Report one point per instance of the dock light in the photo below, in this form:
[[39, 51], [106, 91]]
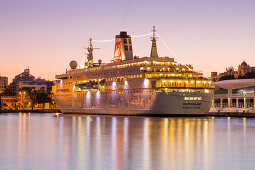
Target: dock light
[[204, 81], [198, 81], [186, 81]]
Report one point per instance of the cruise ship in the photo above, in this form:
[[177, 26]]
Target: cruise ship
[[130, 85]]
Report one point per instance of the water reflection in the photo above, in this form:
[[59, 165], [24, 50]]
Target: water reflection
[[144, 143], [33, 141]]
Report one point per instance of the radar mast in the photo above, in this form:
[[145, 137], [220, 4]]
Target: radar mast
[[90, 49]]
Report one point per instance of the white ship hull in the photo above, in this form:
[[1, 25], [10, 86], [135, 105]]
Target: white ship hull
[[144, 102]]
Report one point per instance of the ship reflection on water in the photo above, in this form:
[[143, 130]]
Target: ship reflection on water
[[34, 141]]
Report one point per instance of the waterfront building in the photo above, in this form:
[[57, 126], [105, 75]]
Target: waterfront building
[[234, 89], [3, 83], [237, 95]]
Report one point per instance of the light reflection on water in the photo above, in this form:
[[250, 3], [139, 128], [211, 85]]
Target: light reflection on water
[[41, 141]]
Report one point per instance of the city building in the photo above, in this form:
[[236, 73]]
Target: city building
[[32, 85], [25, 80], [231, 73], [3, 83]]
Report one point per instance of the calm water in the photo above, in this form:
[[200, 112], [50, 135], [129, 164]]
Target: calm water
[[42, 141]]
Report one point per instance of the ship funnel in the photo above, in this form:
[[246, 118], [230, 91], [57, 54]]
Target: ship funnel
[[123, 47]]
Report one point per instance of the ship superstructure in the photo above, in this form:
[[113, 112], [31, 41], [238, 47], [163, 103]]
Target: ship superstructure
[[133, 86]]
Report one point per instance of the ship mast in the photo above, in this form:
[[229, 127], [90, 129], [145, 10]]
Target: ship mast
[[154, 53], [90, 49]]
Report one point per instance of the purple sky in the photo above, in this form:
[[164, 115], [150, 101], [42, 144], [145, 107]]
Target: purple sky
[[46, 35]]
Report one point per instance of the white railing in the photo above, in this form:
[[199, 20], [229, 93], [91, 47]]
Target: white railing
[[234, 95]]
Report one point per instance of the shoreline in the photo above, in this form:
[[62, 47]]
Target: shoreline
[[214, 114]]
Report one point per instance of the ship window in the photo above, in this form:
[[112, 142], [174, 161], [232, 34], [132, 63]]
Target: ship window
[[129, 40], [125, 41], [126, 48], [130, 48]]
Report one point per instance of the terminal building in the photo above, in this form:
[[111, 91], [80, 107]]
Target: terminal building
[[234, 90]]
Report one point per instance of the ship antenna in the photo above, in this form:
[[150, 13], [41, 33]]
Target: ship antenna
[[154, 52], [90, 49]]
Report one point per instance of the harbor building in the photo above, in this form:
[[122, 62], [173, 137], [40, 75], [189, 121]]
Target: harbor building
[[234, 90], [3, 83]]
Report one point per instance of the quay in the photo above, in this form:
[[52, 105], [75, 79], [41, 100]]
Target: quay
[[232, 114], [31, 111]]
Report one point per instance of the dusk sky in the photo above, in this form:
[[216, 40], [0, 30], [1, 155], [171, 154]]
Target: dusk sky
[[46, 35]]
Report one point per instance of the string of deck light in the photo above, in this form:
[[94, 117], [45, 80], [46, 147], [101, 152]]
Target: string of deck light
[[134, 36], [174, 55]]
